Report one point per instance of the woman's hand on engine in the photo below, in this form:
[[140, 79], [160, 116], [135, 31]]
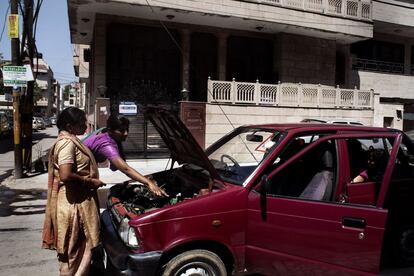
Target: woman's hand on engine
[[152, 185]]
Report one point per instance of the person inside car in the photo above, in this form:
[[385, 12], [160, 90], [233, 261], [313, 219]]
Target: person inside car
[[375, 166]]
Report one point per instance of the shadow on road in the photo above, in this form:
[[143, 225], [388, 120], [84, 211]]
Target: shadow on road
[[5, 175], [6, 143], [21, 202]]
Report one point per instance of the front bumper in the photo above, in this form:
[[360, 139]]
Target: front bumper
[[121, 260]]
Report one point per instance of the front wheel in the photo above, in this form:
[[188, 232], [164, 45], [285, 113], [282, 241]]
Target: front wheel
[[195, 263]]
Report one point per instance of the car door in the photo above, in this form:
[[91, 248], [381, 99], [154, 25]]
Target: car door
[[288, 234]]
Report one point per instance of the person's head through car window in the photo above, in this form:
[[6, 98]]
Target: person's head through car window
[[375, 167]]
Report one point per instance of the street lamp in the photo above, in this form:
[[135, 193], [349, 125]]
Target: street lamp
[[185, 94]]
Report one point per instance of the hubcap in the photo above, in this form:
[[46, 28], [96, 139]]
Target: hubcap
[[195, 269], [194, 272]]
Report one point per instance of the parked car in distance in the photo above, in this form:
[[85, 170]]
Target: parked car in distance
[[273, 199], [5, 127], [331, 121], [38, 123], [47, 121]]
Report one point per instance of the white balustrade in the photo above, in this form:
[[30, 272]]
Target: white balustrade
[[361, 9], [288, 94]]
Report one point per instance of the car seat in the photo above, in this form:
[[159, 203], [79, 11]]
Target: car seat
[[320, 186]]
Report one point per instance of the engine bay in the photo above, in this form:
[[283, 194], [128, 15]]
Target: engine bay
[[180, 184]]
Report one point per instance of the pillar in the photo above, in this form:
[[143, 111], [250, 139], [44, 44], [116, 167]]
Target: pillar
[[186, 48], [222, 55]]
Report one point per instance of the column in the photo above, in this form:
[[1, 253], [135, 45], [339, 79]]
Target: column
[[98, 65], [186, 48], [407, 59], [222, 55]]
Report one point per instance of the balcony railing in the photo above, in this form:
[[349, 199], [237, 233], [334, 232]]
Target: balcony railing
[[288, 94], [378, 66], [356, 9]]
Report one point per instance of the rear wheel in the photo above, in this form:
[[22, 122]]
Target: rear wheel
[[195, 263], [404, 246]]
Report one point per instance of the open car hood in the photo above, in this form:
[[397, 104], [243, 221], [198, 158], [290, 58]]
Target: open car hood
[[181, 143]]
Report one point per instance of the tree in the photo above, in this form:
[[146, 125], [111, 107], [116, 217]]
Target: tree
[[37, 93], [66, 92]]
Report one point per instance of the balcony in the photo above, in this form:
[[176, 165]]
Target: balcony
[[288, 95], [355, 9], [378, 66]]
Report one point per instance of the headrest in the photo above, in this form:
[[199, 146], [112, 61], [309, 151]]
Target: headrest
[[327, 160]]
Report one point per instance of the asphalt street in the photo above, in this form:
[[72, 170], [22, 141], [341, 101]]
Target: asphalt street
[[22, 212], [22, 205]]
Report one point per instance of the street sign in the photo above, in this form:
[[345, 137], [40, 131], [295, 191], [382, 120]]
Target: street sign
[[17, 75], [13, 25], [128, 108]]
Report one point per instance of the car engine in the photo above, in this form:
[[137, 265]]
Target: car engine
[[180, 184]]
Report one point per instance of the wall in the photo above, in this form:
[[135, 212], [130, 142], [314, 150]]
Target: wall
[[305, 59], [382, 110], [387, 85], [396, 12]]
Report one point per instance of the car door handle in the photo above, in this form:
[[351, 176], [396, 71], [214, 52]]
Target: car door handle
[[354, 222]]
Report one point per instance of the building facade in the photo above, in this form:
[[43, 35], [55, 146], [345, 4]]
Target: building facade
[[160, 52], [45, 99]]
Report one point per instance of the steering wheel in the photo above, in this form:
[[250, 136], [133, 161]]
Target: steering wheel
[[231, 159]]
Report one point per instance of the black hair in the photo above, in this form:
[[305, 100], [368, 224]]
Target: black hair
[[118, 123], [70, 116]]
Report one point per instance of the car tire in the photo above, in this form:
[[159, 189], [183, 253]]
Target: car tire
[[195, 262], [404, 246]]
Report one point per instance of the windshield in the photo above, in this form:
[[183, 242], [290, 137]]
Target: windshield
[[241, 153]]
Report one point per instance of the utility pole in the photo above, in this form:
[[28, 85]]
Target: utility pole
[[15, 55], [27, 105]]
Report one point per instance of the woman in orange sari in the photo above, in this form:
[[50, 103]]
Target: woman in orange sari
[[71, 224]]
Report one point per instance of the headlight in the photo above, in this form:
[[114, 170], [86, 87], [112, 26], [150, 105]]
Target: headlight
[[128, 234]]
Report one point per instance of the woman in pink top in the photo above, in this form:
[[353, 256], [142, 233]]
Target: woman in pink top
[[107, 145]]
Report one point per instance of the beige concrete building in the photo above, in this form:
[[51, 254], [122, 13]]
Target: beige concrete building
[[46, 103], [256, 60]]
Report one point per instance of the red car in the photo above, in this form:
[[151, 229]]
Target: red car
[[268, 199]]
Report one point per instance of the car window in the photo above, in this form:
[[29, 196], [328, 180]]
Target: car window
[[239, 156], [368, 159], [312, 176], [296, 144], [404, 163]]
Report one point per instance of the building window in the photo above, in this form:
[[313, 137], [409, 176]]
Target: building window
[[379, 56]]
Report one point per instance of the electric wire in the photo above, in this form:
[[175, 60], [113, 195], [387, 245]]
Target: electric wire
[[4, 23]]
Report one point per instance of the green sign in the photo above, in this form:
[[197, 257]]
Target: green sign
[[17, 75]]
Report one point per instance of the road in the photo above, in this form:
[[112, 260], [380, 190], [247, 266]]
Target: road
[[42, 140], [22, 214]]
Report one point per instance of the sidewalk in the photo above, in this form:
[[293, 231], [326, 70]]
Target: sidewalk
[[22, 207]]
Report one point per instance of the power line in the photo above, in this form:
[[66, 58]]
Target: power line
[[4, 23]]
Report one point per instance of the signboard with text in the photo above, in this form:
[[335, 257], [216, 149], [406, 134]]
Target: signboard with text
[[13, 29], [17, 75]]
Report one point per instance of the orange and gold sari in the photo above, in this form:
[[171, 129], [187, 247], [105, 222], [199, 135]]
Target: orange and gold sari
[[71, 224]]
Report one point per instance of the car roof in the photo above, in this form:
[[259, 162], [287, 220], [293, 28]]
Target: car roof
[[322, 127]]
